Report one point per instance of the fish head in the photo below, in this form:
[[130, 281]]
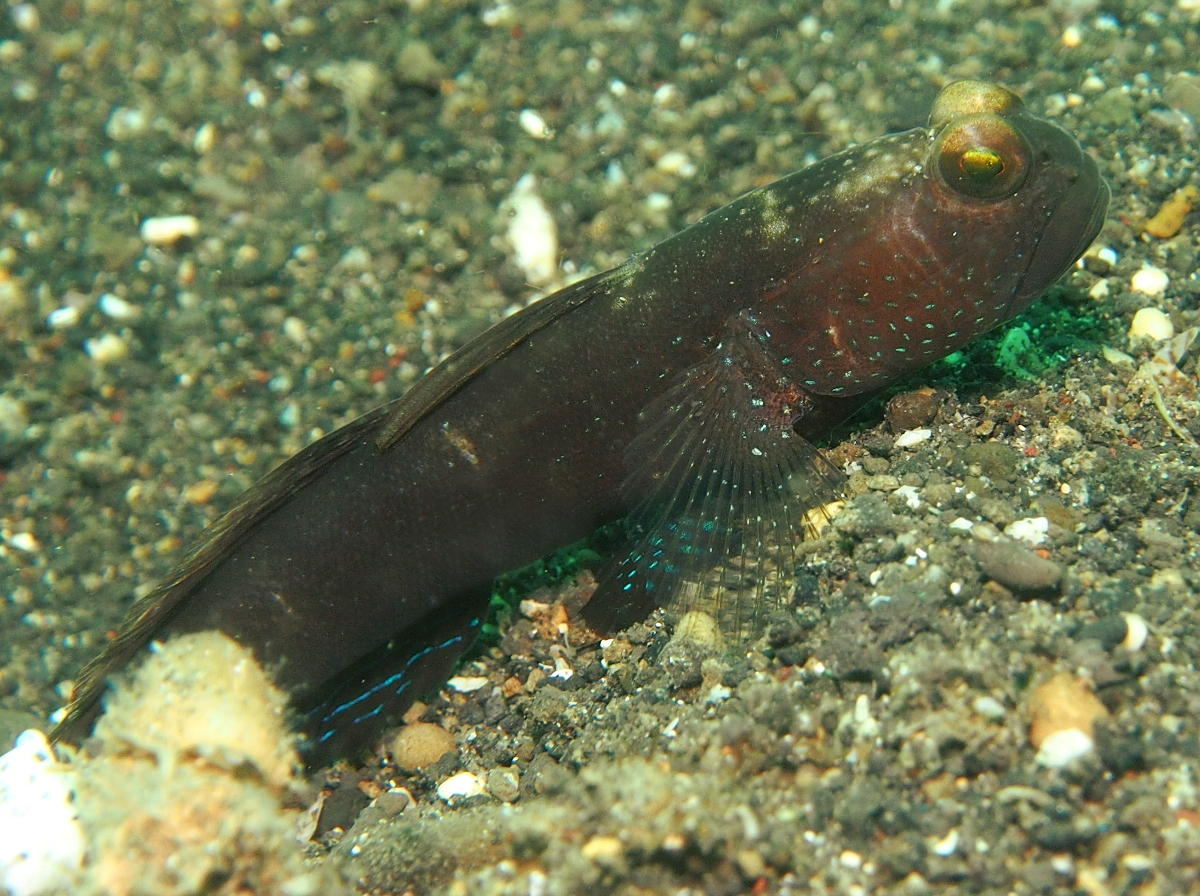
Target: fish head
[[1007, 174], [914, 244]]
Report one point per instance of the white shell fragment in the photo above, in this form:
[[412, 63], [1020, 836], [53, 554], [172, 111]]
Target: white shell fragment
[[466, 684], [106, 348], [117, 308], [1032, 530], [460, 787], [1150, 281], [911, 437], [169, 229], [41, 842], [1061, 747], [1150, 323], [532, 233], [534, 125], [1136, 632]]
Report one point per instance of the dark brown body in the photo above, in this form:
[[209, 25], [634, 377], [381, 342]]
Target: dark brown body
[[363, 557]]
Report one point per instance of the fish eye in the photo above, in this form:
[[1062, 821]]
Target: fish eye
[[982, 156]]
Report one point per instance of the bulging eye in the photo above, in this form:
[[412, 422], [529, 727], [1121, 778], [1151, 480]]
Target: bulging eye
[[982, 156]]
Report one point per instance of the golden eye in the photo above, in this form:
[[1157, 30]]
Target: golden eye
[[982, 156]]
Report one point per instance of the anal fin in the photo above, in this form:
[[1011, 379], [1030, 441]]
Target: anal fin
[[381, 687], [721, 487]]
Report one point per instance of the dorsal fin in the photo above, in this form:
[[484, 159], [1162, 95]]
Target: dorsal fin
[[451, 374]]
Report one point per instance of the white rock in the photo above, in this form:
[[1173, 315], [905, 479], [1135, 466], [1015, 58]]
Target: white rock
[[460, 786], [1032, 530], [125, 123], [117, 308], [1150, 323], [990, 708], [1136, 632], [948, 845], [675, 162], [1063, 746], [106, 348], [168, 229], [534, 125], [466, 684], [532, 233], [911, 437], [59, 318], [41, 842], [1150, 281]]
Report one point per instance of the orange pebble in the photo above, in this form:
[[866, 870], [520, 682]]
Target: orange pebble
[[1062, 703], [1168, 221]]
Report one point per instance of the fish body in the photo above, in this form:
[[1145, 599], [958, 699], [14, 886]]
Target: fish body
[[681, 389]]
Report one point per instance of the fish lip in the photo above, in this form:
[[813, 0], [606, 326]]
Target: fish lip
[[1047, 262]]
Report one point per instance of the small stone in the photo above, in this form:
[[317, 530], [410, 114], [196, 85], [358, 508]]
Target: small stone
[[608, 852], [169, 229], [1063, 436], [421, 744], [990, 708], [200, 492], [106, 349], [1150, 324], [911, 437], [1150, 281], [117, 308], [1063, 703], [504, 784], [1136, 632], [460, 787], [1032, 531], [1063, 747], [534, 125], [1018, 569], [1168, 220], [467, 684], [912, 410], [532, 233]]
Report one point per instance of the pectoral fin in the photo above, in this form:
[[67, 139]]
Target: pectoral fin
[[720, 487]]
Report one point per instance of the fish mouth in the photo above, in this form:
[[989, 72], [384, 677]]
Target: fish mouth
[[1075, 223]]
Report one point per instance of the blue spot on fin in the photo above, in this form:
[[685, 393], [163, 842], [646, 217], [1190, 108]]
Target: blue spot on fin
[[720, 486], [376, 691]]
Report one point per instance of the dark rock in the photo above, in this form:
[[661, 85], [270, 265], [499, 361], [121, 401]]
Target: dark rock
[[1019, 569]]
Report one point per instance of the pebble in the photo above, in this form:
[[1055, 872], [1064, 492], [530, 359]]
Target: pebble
[[117, 308], [41, 842], [504, 784], [1150, 323], [61, 318], [911, 437], [106, 348], [1017, 568], [1063, 712], [1150, 281], [125, 123], [169, 229], [532, 233], [1136, 632], [1168, 220], [534, 125], [1032, 530], [1063, 747], [460, 787], [421, 744], [604, 851], [990, 708], [912, 410], [467, 684], [676, 162]]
